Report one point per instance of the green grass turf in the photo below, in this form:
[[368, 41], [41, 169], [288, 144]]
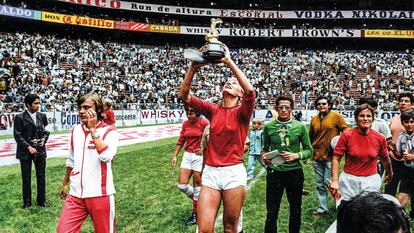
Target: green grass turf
[[147, 199]]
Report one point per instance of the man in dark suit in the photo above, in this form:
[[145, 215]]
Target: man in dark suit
[[31, 136]]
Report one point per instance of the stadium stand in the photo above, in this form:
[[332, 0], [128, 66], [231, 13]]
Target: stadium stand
[[61, 68]]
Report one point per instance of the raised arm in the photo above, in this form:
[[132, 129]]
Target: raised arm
[[184, 92], [241, 77]]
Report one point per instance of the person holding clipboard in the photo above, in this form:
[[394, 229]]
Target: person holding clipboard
[[284, 136]]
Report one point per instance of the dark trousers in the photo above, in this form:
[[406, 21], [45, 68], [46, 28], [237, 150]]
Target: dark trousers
[[276, 183], [26, 168], [408, 181], [399, 171]]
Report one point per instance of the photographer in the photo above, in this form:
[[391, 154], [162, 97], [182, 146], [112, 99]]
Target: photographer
[[31, 136]]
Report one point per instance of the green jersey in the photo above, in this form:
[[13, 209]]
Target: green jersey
[[287, 136]]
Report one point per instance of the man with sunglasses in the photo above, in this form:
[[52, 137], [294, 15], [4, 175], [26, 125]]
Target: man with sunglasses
[[323, 127], [287, 136]]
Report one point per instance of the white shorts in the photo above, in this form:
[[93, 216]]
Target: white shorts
[[222, 178], [192, 161], [350, 185]]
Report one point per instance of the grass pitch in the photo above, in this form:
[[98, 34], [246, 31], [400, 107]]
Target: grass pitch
[[147, 199]]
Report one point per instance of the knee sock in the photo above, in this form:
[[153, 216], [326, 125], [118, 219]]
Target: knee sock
[[240, 223], [186, 189], [195, 198]]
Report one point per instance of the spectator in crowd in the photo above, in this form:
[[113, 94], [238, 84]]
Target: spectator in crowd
[[255, 147], [378, 125], [406, 101], [229, 125], [298, 115], [109, 118], [86, 165], [372, 212], [323, 127], [361, 147], [287, 136], [191, 165], [31, 136]]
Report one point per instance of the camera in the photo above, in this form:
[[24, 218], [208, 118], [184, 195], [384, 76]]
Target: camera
[[36, 142]]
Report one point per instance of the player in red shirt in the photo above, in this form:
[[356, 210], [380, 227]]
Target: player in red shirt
[[361, 146], [109, 116], [190, 137], [224, 176]]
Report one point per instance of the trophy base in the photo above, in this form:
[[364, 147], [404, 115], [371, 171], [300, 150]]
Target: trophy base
[[213, 52], [194, 56], [210, 53]]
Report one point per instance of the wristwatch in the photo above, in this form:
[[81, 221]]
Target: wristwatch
[[95, 137]]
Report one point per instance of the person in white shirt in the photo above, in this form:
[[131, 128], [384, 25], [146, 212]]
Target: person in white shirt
[[93, 144], [31, 136]]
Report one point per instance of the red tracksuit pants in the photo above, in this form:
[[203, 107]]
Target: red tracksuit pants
[[76, 210]]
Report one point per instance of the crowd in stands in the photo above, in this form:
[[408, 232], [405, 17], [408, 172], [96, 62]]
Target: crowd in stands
[[135, 76], [185, 20]]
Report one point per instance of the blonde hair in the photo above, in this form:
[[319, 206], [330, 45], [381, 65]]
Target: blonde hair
[[258, 121]]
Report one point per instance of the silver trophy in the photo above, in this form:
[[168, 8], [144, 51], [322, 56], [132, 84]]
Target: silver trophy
[[212, 51]]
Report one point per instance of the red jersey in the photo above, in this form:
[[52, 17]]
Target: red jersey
[[109, 118], [228, 130], [191, 133], [361, 151]]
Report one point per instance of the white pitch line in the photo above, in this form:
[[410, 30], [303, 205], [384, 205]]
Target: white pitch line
[[219, 219]]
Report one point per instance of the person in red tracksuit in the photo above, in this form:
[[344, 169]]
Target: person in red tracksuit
[[93, 144], [109, 118]]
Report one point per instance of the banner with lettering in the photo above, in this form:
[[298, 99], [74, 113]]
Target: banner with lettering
[[307, 115], [190, 30], [58, 121], [251, 32], [52, 17], [20, 12], [250, 13], [77, 20], [159, 28], [401, 34]]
